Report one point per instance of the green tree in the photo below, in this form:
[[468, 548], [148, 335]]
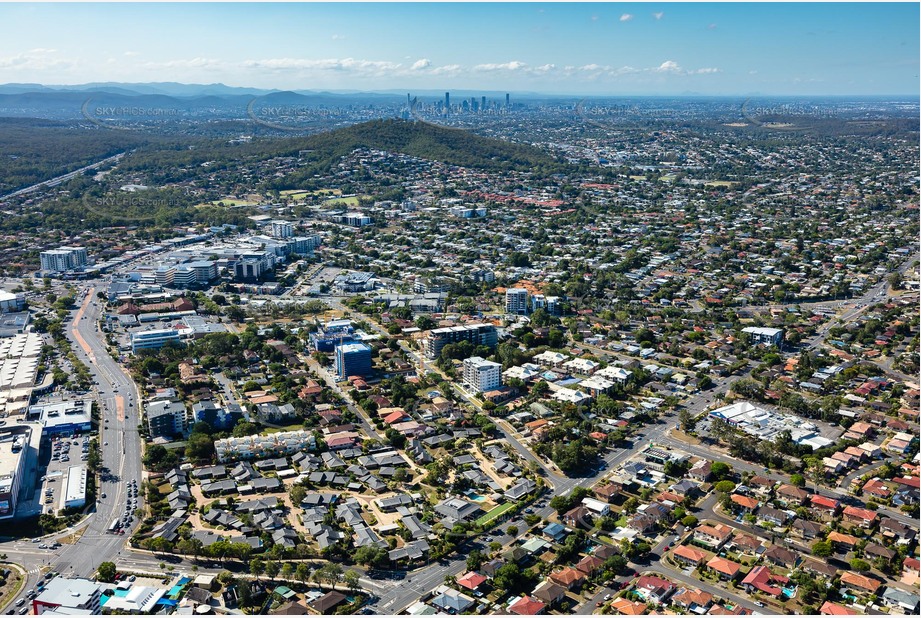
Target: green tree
[[687, 420], [822, 549], [725, 487], [859, 565], [106, 571], [351, 580]]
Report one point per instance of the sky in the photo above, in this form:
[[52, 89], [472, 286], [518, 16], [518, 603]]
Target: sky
[[553, 48]]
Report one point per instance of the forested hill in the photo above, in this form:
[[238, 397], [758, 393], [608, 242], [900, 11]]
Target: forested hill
[[418, 139], [429, 141], [34, 150]]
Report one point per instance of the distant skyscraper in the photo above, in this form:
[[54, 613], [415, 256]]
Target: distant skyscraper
[[483, 104], [447, 102], [506, 101]]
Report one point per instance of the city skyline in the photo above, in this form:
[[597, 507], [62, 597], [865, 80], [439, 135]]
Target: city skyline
[[571, 49]]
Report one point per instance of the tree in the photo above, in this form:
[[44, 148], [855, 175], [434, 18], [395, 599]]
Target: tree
[[106, 571], [287, 570], [508, 577], [859, 565], [687, 420], [272, 569], [725, 487], [689, 521], [351, 578], [301, 572], [297, 494], [256, 567], [370, 555], [822, 549], [474, 560], [719, 470], [798, 480], [513, 530]]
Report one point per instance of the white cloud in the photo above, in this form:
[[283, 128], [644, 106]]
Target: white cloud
[[545, 68], [658, 15], [338, 37], [422, 63], [35, 60], [185, 63], [669, 66], [364, 67], [514, 65], [448, 69], [131, 53], [42, 50], [704, 71], [626, 17], [711, 27]]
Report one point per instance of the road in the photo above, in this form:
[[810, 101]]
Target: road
[[120, 449], [63, 178]]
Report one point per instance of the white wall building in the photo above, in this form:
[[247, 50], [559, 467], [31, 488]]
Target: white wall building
[[516, 301], [481, 375]]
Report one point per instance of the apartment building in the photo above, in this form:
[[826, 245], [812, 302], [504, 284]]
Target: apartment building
[[481, 375]]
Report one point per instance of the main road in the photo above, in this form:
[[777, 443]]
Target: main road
[[120, 451]]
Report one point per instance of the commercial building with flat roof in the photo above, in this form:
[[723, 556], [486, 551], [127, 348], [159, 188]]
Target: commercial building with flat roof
[[14, 443], [74, 495], [10, 302], [768, 336], [19, 356], [69, 596], [353, 359], [154, 339], [64, 418]]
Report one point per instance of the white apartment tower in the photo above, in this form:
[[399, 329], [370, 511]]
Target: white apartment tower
[[481, 375], [516, 301]]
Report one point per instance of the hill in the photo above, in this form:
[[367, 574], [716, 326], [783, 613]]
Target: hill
[[417, 139]]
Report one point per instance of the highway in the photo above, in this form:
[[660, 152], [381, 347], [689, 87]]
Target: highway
[[63, 178]]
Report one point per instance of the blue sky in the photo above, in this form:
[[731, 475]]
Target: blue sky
[[634, 48]]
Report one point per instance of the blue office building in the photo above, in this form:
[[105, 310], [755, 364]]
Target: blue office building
[[353, 359]]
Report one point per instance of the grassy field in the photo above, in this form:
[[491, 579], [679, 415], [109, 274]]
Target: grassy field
[[720, 183], [494, 513], [231, 202], [342, 201], [637, 178], [300, 193]]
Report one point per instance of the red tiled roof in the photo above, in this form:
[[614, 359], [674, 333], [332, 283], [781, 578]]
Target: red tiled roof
[[471, 580], [726, 567], [527, 606], [822, 501], [833, 609]]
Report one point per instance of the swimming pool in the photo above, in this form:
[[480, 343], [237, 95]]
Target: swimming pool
[[789, 593], [476, 497], [175, 590]]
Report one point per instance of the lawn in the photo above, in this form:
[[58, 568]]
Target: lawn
[[720, 183], [342, 201], [494, 513], [301, 193], [230, 203]]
